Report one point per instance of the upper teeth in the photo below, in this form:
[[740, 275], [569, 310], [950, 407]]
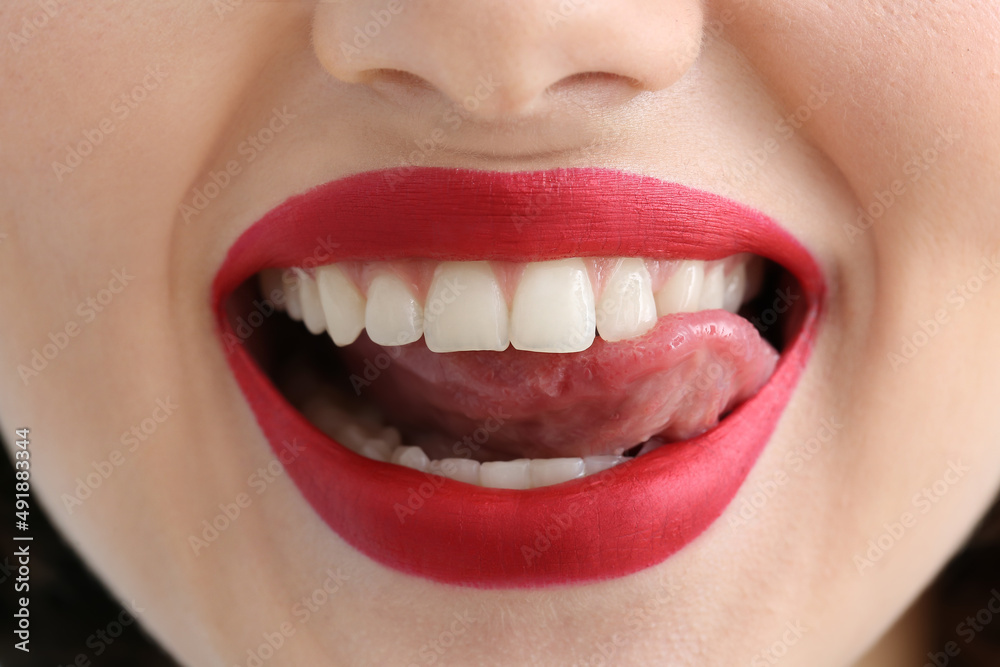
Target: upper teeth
[[549, 306]]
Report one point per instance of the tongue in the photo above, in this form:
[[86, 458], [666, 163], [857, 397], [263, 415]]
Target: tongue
[[671, 384]]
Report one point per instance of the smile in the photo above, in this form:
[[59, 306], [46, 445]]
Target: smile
[[517, 379]]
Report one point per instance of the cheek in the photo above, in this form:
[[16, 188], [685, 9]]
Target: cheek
[[905, 83]]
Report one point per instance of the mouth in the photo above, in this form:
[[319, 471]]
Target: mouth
[[516, 379]]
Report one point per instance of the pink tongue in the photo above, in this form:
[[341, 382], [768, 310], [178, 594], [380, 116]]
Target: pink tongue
[[674, 382]]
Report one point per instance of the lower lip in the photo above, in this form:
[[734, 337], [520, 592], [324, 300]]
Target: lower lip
[[608, 525]]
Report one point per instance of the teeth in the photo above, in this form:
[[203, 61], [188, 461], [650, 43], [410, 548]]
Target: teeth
[[383, 443], [553, 308], [343, 305], [546, 472], [391, 437], [460, 470], [393, 316], [595, 464], [411, 457], [312, 310], [381, 448], [539, 306], [682, 291], [374, 451], [293, 303], [465, 309], [627, 308], [506, 474], [736, 288], [713, 290]]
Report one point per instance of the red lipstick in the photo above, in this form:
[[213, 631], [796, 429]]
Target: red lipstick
[[626, 519]]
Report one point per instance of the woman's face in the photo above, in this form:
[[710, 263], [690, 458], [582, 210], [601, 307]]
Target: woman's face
[[868, 130]]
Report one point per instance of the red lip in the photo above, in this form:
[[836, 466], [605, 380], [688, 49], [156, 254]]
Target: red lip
[[615, 523]]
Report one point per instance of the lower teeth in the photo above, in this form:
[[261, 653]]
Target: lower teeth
[[372, 440]]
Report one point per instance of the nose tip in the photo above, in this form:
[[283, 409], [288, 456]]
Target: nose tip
[[505, 58]]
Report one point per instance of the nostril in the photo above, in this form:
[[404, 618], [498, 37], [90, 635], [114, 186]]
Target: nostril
[[593, 54], [396, 77], [596, 79], [597, 87]]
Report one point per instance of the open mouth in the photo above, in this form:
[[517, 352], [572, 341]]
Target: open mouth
[[516, 379]]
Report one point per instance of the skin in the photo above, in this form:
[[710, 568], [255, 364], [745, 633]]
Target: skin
[[899, 76]]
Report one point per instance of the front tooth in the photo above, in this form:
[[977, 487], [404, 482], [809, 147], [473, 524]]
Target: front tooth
[[411, 457], [343, 305], [293, 302], [546, 472], [736, 287], [682, 291], [506, 474], [465, 309], [312, 310], [392, 316], [553, 308], [595, 464], [627, 308], [460, 470], [713, 291]]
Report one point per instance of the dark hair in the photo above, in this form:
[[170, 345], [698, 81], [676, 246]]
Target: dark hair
[[967, 594], [68, 607]]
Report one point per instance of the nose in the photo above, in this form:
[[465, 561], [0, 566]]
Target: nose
[[503, 58]]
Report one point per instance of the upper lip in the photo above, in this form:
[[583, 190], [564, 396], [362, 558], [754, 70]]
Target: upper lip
[[472, 535], [454, 214]]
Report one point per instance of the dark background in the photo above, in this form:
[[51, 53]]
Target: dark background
[[67, 604]]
